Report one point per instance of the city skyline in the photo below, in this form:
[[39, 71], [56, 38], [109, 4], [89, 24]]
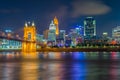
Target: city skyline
[[15, 13]]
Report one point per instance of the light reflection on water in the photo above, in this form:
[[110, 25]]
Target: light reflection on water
[[60, 66]]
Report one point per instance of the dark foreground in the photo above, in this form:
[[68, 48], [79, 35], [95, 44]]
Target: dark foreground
[[60, 66]]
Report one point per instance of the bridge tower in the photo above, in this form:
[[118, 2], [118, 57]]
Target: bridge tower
[[29, 39]]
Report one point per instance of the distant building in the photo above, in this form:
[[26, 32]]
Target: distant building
[[10, 44], [104, 38], [116, 34], [61, 38], [62, 35], [89, 27], [79, 30], [39, 38], [56, 22], [104, 34], [68, 41], [52, 32], [7, 32], [45, 33]]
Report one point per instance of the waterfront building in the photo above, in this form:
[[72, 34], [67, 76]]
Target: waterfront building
[[89, 27], [52, 33], [68, 41], [104, 34], [80, 33], [74, 35], [90, 31], [56, 25], [116, 34], [10, 44], [61, 38], [7, 31], [45, 33], [104, 38], [39, 38], [62, 35], [79, 30]]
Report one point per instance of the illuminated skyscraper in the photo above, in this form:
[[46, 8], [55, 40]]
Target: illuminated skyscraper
[[56, 24], [61, 37], [89, 27], [45, 33], [116, 33], [52, 32]]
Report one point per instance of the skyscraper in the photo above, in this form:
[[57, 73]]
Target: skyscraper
[[89, 27], [56, 24], [45, 33], [116, 33], [62, 35], [52, 32]]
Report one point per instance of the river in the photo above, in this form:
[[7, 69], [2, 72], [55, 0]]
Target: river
[[60, 66]]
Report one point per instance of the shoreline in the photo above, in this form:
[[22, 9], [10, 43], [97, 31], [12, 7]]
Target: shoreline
[[79, 50], [69, 50]]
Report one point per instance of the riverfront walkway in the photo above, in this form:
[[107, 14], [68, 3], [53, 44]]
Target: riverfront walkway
[[79, 49], [71, 49]]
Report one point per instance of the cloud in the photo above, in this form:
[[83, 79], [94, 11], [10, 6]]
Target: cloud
[[89, 7]]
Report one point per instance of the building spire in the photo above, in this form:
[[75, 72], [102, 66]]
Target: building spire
[[26, 25], [56, 24], [33, 24]]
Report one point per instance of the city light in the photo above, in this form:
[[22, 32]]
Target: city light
[[78, 37]]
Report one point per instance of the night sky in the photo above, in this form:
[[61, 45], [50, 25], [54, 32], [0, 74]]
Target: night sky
[[14, 13]]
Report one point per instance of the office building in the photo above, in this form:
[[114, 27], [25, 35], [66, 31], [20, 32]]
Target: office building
[[89, 27], [116, 34], [52, 32]]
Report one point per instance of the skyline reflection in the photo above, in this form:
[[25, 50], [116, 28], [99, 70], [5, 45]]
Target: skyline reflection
[[59, 66]]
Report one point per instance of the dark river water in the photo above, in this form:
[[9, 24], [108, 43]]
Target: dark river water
[[60, 66]]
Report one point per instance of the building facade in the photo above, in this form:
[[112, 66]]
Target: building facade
[[116, 34], [89, 27], [52, 32], [56, 24]]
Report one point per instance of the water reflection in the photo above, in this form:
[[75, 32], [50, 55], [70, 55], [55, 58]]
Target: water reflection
[[29, 71], [30, 55], [78, 55], [114, 55], [8, 71], [53, 55], [75, 71], [59, 66], [9, 55]]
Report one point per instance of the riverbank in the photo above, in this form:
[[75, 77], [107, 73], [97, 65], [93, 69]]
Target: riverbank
[[68, 50], [79, 50]]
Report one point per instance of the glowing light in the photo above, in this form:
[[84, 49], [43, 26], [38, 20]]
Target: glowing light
[[33, 24], [29, 71], [29, 43], [56, 24], [26, 24]]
